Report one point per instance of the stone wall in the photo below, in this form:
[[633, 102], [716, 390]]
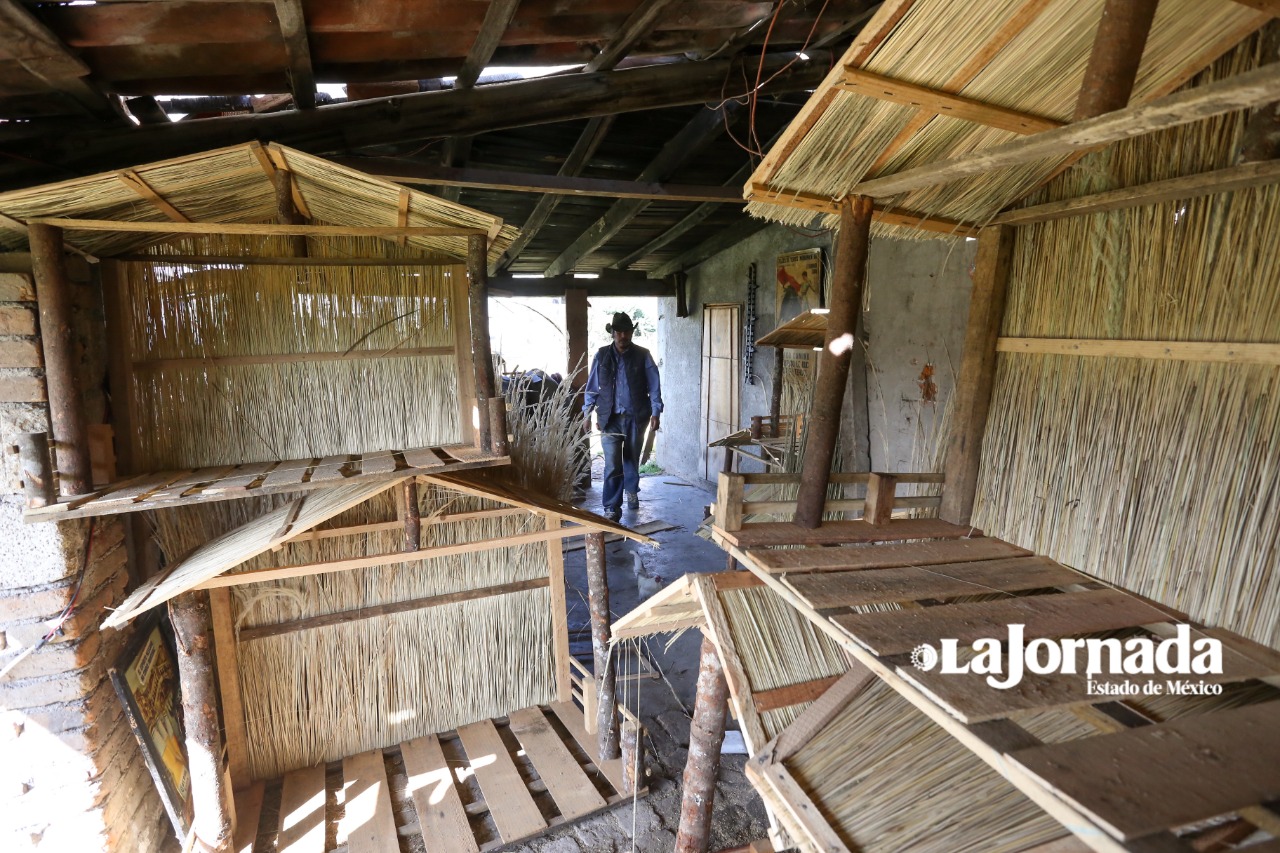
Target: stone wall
[[73, 776]]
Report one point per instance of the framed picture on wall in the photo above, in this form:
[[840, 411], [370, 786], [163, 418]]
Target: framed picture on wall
[[799, 283]]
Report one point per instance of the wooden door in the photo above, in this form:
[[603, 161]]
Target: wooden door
[[721, 353]]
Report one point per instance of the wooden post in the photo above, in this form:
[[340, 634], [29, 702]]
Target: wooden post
[[289, 214], [412, 516], [731, 562], [706, 733], [977, 373], [775, 397], [498, 425], [598, 599], [852, 243], [193, 629], [880, 492], [36, 468], [482, 359], [632, 757], [66, 408], [729, 495], [1117, 52], [575, 324]]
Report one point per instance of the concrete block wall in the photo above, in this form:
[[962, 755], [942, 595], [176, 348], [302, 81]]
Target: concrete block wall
[[72, 776], [901, 374]]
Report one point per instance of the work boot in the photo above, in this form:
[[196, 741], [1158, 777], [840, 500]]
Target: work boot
[[613, 513], [633, 500]]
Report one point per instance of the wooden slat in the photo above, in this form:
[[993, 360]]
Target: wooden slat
[[843, 532], [793, 694], [422, 457], [330, 468], [510, 804], [195, 478], [717, 630], [368, 819], [243, 477], [227, 658], [1201, 351], [262, 229], [135, 182], [288, 473], [559, 613], [135, 488], [912, 583], [900, 631], [570, 716], [886, 556], [441, 815], [1167, 775], [302, 811], [573, 792], [823, 710], [220, 361], [942, 103], [807, 818], [378, 462], [248, 815]]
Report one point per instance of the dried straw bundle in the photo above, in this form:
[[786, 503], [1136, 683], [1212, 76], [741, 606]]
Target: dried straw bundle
[[547, 441], [1038, 72], [208, 413]]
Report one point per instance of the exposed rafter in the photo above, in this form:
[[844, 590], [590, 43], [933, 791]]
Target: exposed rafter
[[1117, 52], [636, 27], [134, 181], [293, 29], [496, 20], [726, 239], [692, 138]]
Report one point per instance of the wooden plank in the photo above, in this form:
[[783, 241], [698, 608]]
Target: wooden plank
[[267, 229], [135, 182], [345, 616], [573, 792], [320, 568], [228, 666], [441, 815], [559, 613], [771, 533], [1243, 176], [913, 583], [288, 358], [422, 457], [1157, 777], [248, 802], [817, 832], [823, 710], [242, 477], [942, 103], [977, 372], [302, 811], [510, 805], [330, 468], [369, 822], [793, 694], [842, 477], [886, 556], [378, 462], [293, 31], [1068, 614], [1243, 91], [288, 473], [878, 507], [1229, 353], [735, 673], [646, 528], [195, 478], [137, 487], [571, 718]]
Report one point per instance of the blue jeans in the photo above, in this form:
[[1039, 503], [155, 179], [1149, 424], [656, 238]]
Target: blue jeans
[[620, 439]]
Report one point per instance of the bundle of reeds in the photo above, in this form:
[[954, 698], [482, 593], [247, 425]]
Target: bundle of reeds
[[222, 374], [548, 452], [322, 693], [1156, 475], [1038, 71]]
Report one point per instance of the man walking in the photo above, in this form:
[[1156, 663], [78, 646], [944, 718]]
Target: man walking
[[624, 389]]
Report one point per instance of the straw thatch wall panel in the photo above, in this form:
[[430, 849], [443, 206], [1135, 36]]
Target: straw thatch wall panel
[[324, 693], [206, 413], [1160, 476], [1038, 72]]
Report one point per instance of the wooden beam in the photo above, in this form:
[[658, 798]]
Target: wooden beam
[[261, 229], [636, 27], [496, 20], [134, 181], [39, 53], [481, 357], [711, 246], [1223, 353], [793, 694], [882, 214], [293, 30], [977, 373], [1117, 53], [61, 360], [402, 214], [227, 657], [581, 153], [287, 358], [411, 172], [1243, 91], [416, 117], [1174, 189], [942, 103], [686, 144], [847, 283], [281, 261], [1270, 7]]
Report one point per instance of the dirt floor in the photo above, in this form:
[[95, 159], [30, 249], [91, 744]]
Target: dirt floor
[[664, 703]]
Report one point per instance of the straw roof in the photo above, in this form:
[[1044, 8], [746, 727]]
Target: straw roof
[[1025, 56], [806, 331], [236, 185]]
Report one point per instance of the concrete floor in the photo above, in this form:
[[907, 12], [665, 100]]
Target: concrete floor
[[663, 705]]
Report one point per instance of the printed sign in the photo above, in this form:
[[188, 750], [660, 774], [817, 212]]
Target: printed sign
[[799, 283]]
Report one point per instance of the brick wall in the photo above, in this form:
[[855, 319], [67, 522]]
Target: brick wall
[[72, 775]]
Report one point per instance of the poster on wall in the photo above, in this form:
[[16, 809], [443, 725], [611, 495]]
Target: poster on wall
[[146, 680], [799, 283]]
